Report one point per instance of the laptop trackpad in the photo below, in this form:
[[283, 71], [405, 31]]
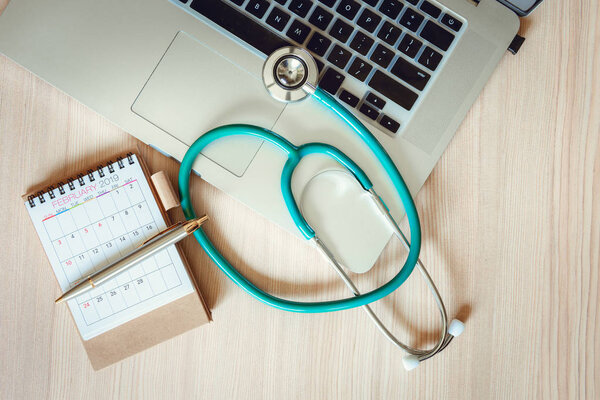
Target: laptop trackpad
[[195, 88]]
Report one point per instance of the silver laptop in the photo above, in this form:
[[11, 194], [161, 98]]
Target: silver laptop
[[167, 71]]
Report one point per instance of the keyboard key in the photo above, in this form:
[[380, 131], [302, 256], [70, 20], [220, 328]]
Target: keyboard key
[[411, 19], [430, 9], [341, 30], [437, 35], [258, 8], [413, 2], [382, 55], [298, 31], [393, 90], [349, 98], [238, 2], [359, 69], [391, 8], [410, 74], [318, 44], [331, 81], [389, 33], [368, 20], [375, 100], [372, 3], [328, 3], [320, 65], [278, 19], [348, 8], [282, 2], [430, 58], [320, 18], [300, 7], [409, 45], [339, 56], [240, 25], [361, 43], [451, 22], [389, 124], [369, 111]]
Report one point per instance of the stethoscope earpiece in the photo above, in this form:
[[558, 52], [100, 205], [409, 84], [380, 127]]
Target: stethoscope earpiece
[[410, 362], [456, 328]]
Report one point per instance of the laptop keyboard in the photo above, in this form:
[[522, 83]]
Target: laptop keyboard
[[377, 56]]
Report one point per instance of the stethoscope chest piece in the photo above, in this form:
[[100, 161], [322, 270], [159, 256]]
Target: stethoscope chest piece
[[290, 74]]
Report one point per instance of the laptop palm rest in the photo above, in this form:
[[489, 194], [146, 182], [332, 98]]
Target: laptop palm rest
[[194, 88]]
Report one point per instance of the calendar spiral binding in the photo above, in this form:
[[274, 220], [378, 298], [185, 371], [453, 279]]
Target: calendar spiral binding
[[80, 179]]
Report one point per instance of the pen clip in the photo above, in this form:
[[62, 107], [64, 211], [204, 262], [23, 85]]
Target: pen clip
[[161, 232]]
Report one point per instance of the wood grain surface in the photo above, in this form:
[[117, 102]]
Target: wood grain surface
[[511, 220]]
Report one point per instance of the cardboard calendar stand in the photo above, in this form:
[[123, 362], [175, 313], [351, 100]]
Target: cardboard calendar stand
[[154, 327]]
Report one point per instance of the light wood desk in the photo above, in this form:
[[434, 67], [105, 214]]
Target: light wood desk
[[511, 219]]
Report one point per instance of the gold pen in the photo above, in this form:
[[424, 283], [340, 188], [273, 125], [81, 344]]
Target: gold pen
[[147, 249]]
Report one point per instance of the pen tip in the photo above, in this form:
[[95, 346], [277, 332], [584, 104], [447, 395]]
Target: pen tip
[[59, 300], [196, 223]]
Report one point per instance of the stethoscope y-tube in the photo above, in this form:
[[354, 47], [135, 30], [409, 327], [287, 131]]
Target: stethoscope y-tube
[[290, 74]]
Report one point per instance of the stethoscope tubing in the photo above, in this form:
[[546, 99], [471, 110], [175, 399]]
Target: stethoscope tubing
[[294, 154]]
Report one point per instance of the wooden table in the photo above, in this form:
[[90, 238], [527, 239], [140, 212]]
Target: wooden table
[[511, 219]]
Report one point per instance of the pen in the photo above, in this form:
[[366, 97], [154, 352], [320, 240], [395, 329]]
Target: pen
[[149, 248]]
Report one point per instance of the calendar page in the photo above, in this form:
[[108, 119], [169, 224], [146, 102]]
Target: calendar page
[[94, 220]]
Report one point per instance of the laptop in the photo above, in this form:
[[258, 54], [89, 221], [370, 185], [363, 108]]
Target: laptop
[[167, 71]]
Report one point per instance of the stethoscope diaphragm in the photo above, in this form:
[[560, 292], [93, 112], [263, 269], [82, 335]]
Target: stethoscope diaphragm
[[290, 74]]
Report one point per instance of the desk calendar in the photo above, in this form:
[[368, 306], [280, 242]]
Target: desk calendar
[[91, 221]]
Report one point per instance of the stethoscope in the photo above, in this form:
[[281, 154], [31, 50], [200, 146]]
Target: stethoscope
[[290, 74]]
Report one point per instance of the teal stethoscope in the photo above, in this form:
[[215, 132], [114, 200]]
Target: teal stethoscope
[[290, 74]]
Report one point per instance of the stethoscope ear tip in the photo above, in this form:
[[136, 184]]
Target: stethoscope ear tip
[[456, 327], [410, 362]]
